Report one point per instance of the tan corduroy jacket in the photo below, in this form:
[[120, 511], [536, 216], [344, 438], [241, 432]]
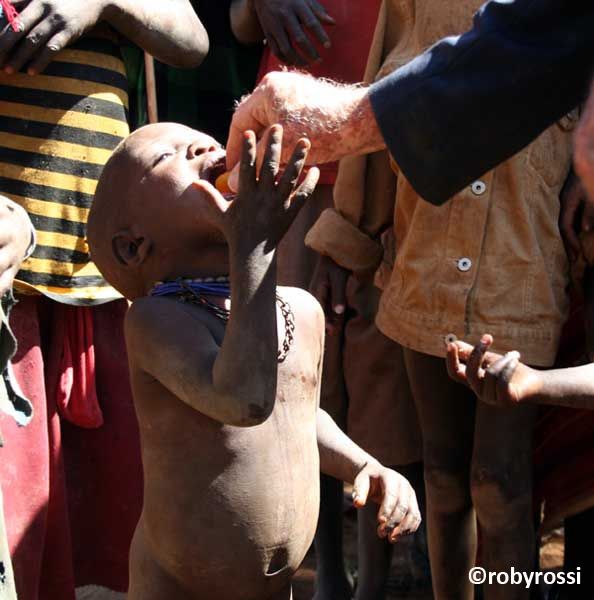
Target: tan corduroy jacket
[[489, 260]]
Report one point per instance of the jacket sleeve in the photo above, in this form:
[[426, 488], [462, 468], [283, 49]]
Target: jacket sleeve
[[470, 102]]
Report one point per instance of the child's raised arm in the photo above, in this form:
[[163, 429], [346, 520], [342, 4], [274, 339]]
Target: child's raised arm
[[235, 384]]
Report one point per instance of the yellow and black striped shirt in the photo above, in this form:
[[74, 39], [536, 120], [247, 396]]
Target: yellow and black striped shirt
[[57, 130]]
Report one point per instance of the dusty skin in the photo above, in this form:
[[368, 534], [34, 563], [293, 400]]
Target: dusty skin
[[232, 440]]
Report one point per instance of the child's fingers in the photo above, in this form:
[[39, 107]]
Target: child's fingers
[[294, 168], [303, 192], [338, 291], [409, 524], [361, 487], [217, 203], [456, 370], [464, 350], [474, 370], [273, 144], [247, 166]]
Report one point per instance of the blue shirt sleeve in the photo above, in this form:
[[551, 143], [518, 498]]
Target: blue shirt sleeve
[[470, 102]]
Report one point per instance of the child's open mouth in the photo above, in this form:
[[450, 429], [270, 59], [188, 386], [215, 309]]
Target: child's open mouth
[[213, 167]]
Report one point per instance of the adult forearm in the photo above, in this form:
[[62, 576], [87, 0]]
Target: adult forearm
[[340, 457], [469, 103], [573, 388], [244, 22], [170, 30]]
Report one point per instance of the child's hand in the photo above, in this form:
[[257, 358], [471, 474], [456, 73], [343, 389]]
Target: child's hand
[[399, 512], [285, 23], [328, 285], [264, 209], [495, 379]]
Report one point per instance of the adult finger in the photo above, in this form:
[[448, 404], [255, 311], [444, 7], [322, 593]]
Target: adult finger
[[294, 168], [464, 349], [246, 117], [299, 37], [247, 167], [321, 13], [273, 144], [311, 22]]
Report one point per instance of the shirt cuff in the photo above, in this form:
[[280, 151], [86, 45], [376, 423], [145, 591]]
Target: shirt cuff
[[332, 235]]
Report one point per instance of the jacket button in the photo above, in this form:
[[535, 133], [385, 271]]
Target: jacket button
[[478, 188], [450, 338], [464, 264]]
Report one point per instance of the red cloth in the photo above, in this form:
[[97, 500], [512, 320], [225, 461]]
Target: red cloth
[[346, 59], [72, 496], [76, 392]]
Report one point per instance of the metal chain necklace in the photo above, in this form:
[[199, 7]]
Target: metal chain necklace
[[194, 290]]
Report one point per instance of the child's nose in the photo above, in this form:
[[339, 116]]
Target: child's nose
[[201, 147]]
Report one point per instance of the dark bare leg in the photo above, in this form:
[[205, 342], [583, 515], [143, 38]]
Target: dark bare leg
[[447, 413], [331, 580], [501, 484], [375, 556]]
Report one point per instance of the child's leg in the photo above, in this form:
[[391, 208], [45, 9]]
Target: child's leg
[[331, 579], [501, 484], [382, 420], [375, 557], [447, 413]]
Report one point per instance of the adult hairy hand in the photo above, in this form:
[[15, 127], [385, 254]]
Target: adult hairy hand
[[46, 27], [328, 285], [338, 119], [15, 240], [285, 23], [577, 214], [265, 206]]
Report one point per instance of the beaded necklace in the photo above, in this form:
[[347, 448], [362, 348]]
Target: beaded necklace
[[194, 291]]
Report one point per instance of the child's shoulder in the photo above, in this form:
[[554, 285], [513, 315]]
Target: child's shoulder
[[304, 306], [161, 321]]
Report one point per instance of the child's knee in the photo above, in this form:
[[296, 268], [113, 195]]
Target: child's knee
[[501, 497], [448, 487]]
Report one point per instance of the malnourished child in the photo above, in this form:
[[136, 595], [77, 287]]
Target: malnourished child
[[232, 435]]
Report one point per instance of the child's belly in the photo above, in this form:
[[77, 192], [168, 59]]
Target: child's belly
[[233, 507]]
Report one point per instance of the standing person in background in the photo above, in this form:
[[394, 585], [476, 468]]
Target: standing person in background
[[18, 241], [202, 98], [72, 479], [381, 412], [333, 41], [492, 254]]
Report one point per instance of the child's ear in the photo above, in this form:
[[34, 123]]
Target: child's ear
[[130, 250]]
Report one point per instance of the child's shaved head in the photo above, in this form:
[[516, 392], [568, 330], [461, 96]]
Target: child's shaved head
[[146, 210]]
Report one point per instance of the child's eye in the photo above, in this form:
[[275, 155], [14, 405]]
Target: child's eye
[[162, 157]]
